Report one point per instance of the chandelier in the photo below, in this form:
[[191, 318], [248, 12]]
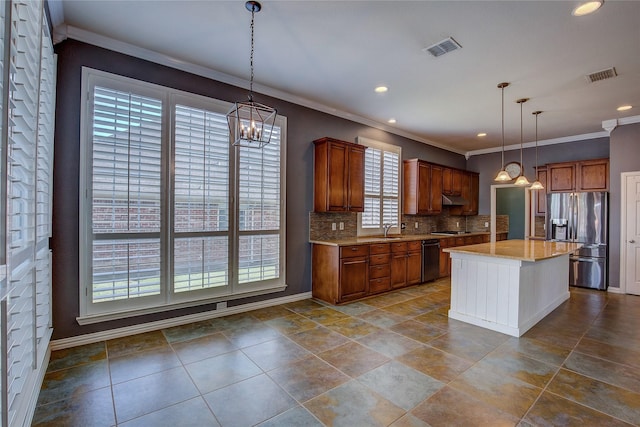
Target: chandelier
[[251, 123]]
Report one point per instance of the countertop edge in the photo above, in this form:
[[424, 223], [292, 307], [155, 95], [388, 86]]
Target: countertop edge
[[476, 252], [407, 238]]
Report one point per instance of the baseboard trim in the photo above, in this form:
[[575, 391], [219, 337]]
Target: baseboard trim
[[63, 343], [615, 290]]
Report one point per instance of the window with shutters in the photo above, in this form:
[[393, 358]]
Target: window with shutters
[[381, 188], [173, 213]]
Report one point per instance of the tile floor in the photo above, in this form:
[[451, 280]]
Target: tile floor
[[391, 360]]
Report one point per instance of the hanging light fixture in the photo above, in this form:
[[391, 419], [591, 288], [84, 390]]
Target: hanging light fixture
[[503, 175], [251, 123], [521, 180], [537, 185]]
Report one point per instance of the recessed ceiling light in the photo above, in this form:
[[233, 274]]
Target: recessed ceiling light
[[392, 121], [381, 89], [481, 134], [587, 7], [624, 107]]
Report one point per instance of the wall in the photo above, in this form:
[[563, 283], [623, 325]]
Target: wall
[[489, 164], [625, 157], [304, 125]]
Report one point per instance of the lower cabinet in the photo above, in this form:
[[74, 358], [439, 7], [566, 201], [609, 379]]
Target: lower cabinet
[[379, 267], [414, 262], [354, 278]]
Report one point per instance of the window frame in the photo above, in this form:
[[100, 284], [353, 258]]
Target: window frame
[[168, 299], [383, 147]]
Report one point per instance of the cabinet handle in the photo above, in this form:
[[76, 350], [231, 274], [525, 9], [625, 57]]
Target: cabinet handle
[[632, 241], [354, 249]]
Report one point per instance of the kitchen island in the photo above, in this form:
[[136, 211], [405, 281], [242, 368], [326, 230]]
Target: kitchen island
[[510, 285]]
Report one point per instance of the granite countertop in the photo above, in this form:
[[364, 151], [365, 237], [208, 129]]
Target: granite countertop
[[523, 250], [392, 238]]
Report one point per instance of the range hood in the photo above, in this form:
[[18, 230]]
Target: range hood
[[453, 200]]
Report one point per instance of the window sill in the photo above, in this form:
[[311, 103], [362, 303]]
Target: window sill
[[116, 315]]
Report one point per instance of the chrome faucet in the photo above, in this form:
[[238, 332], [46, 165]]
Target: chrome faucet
[[386, 228]]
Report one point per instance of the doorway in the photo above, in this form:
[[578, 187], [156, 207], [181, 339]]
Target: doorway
[[510, 202], [630, 234], [515, 202]]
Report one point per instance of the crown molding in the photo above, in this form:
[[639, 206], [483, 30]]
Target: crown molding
[[553, 141], [63, 32], [610, 125]]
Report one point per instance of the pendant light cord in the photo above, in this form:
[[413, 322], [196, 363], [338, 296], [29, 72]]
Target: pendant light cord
[[253, 12], [521, 145], [536, 145], [502, 127]]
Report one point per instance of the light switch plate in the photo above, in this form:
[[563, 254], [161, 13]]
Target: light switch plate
[[341, 226], [333, 226], [416, 224], [486, 224]]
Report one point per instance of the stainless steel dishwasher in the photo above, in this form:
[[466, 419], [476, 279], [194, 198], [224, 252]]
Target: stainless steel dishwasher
[[430, 259]]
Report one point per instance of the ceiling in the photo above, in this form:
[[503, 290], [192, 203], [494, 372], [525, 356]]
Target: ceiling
[[331, 54]]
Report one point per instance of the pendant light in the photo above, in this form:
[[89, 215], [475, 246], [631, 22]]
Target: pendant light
[[537, 185], [521, 180], [502, 175], [251, 123]]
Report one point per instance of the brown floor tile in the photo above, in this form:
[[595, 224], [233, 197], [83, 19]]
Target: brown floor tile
[[604, 370], [61, 359], [93, 408], [141, 363], [325, 315], [450, 407], [318, 339], [614, 401], [353, 328], [461, 346], [251, 335], [381, 318], [203, 348], [269, 313], [189, 331], [307, 378], [275, 353], [140, 342], [551, 410], [66, 383], [302, 306], [353, 359], [292, 324], [537, 350], [389, 343], [517, 365], [418, 331], [435, 363], [441, 321], [500, 391], [614, 353]]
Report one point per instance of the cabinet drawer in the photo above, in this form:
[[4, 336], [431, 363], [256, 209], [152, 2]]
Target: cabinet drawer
[[459, 241], [377, 271], [399, 247], [355, 250], [379, 248], [415, 246], [379, 259], [379, 285]]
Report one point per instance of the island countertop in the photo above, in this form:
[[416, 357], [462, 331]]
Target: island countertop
[[523, 250]]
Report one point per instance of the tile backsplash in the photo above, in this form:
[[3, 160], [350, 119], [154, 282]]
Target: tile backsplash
[[320, 224]]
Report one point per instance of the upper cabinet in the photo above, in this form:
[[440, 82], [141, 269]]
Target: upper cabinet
[[338, 176], [422, 188], [585, 175], [470, 192], [452, 182], [541, 195]]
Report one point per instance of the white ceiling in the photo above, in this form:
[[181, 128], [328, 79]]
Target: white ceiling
[[331, 55]]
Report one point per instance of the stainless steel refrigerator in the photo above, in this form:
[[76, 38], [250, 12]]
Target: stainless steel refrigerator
[[582, 218]]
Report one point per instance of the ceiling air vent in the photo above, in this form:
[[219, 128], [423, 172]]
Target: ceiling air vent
[[601, 75], [445, 46]]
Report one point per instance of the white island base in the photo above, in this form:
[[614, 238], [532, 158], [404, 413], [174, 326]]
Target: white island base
[[505, 294]]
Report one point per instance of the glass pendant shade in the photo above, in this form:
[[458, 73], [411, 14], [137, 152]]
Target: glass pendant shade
[[502, 176], [251, 123], [522, 180], [537, 185]]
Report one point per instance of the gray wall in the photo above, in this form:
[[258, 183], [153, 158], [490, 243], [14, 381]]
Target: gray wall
[[304, 125], [489, 164], [625, 157]]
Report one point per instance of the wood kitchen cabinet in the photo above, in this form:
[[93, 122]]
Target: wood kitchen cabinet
[[406, 263], [422, 188], [379, 267], [584, 175], [338, 176], [414, 262], [452, 182], [470, 192], [340, 273]]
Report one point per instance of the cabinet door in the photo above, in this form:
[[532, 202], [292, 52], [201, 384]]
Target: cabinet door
[[424, 175], [562, 177], [541, 195], [593, 175], [355, 187], [337, 186], [435, 188], [447, 181], [398, 270], [354, 278], [472, 195], [456, 182], [414, 268]]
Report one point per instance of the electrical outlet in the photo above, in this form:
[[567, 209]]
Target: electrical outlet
[[341, 226], [486, 224], [333, 226], [416, 224], [457, 224], [221, 305]]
